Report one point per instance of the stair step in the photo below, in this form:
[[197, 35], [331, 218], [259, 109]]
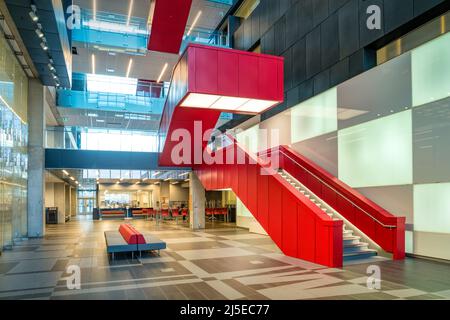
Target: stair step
[[351, 240], [359, 255], [352, 248], [347, 232]]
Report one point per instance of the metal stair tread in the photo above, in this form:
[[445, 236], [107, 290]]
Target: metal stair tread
[[355, 245], [362, 252]]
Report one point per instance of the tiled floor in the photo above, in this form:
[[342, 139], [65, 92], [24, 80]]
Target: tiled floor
[[221, 262]]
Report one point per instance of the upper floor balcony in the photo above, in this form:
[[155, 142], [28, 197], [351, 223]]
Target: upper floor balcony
[[106, 30]]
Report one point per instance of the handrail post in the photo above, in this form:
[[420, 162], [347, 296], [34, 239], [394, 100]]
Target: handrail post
[[399, 239]]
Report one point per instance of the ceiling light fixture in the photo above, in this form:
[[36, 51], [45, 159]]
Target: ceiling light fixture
[[72, 178], [129, 67], [94, 10], [51, 67], [183, 174], [44, 46], [33, 14], [226, 103], [162, 72], [130, 10], [39, 33], [93, 63], [65, 172], [194, 23]]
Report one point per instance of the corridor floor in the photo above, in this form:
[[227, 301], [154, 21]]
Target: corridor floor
[[221, 262]]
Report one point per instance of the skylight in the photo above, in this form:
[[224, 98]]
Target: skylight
[[111, 84]]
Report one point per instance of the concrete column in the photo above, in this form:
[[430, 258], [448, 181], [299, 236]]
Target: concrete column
[[197, 200], [36, 159]]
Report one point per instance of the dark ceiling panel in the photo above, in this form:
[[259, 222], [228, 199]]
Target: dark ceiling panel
[[51, 18]]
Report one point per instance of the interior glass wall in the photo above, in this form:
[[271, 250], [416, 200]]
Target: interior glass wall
[[13, 147], [386, 133]]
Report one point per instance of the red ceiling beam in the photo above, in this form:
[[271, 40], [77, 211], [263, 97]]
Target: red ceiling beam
[[168, 26]]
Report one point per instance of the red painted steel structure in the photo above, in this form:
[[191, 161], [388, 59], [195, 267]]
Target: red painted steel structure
[[385, 229], [215, 71], [168, 25], [298, 227]]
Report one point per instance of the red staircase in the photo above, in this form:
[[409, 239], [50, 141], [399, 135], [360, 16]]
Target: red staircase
[[300, 228]]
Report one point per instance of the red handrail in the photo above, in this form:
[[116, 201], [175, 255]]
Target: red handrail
[[382, 227]]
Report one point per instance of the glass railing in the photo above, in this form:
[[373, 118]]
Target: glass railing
[[77, 138], [112, 30], [140, 96], [109, 101], [206, 37]]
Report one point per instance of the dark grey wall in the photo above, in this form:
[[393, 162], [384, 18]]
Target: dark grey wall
[[325, 42]]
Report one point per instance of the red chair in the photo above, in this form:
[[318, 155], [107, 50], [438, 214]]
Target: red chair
[[164, 213], [184, 212]]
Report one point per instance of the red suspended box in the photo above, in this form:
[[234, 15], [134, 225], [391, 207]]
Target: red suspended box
[[231, 80]]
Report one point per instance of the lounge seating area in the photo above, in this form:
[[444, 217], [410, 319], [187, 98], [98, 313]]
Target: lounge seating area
[[112, 213], [128, 239], [217, 214]]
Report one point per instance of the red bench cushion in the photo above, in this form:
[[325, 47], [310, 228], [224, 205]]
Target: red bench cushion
[[131, 235]]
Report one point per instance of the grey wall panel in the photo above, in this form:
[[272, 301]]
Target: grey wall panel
[[367, 36], [336, 4], [320, 11], [305, 17], [313, 60], [287, 55], [421, 6], [339, 72], [431, 134], [323, 150], [322, 82], [299, 62], [377, 93], [348, 34], [291, 26], [397, 13], [268, 42], [396, 199], [280, 36], [306, 90], [329, 45]]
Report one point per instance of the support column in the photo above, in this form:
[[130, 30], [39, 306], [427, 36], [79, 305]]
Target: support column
[[36, 159], [197, 200]]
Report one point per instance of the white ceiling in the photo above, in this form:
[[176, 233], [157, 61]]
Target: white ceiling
[[79, 118], [144, 67]]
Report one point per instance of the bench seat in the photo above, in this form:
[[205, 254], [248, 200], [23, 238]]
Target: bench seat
[[116, 243], [151, 243]]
